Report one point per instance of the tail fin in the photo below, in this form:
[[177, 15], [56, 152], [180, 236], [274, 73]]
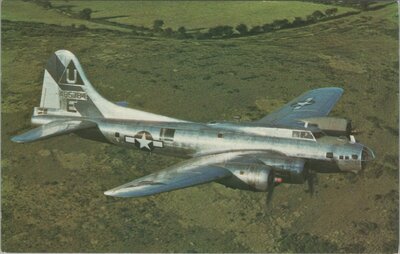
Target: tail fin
[[67, 92]]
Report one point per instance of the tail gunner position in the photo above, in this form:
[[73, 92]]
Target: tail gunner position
[[286, 146]]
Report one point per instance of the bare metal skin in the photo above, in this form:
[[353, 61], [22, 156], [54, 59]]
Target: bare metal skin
[[287, 146]]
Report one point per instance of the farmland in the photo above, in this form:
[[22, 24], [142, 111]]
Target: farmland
[[28, 12], [52, 191], [196, 14]]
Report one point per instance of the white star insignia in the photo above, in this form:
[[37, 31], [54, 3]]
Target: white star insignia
[[301, 104], [143, 142]]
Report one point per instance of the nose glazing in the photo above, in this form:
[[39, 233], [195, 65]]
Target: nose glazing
[[366, 155]]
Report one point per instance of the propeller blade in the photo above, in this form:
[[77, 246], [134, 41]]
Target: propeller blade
[[356, 132], [271, 186], [311, 179], [269, 195]]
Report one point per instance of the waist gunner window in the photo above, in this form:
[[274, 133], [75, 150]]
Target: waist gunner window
[[167, 134]]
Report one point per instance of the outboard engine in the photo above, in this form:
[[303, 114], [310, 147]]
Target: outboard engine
[[332, 126], [252, 177], [263, 178], [260, 177]]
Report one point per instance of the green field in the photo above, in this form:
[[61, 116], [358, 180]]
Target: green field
[[197, 14], [24, 11], [52, 191]]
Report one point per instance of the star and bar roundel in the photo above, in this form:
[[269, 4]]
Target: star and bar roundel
[[144, 141], [300, 104]]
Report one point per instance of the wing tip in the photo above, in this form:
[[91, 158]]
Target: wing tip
[[16, 139], [109, 193], [118, 192], [20, 139], [114, 193], [332, 88]]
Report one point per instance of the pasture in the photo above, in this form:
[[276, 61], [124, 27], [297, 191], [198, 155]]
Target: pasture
[[28, 12], [196, 14]]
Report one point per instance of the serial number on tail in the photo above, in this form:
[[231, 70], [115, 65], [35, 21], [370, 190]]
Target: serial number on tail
[[80, 96]]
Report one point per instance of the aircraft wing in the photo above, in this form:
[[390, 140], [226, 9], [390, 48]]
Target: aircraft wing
[[195, 171], [52, 129], [314, 103], [189, 173]]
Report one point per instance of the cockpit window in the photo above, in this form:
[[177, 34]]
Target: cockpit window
[[306, 134], [302, 134]]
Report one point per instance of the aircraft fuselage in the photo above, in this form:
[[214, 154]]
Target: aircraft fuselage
[[189, 139]]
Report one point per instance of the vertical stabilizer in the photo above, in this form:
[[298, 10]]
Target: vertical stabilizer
[[67, 92], [66, 89]]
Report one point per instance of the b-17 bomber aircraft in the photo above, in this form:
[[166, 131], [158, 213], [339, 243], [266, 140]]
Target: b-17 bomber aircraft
[[288, 146]]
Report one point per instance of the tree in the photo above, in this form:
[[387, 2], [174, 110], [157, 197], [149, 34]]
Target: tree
[[202, 36], [318, 15], [222, 31], [331, 11], [157, 25], [242, 29], [182, 30], [85, 13], [297, 21], [280, 23], [228, 31], [168, 31], [310, 19], [267, 27], [256, 30]]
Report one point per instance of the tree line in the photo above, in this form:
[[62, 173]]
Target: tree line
[[217, 32], [226, 31], [360, 4]]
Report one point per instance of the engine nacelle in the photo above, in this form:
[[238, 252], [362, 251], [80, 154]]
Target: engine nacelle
[[331, 125], [290, 170], [258, 177], [252, 177]]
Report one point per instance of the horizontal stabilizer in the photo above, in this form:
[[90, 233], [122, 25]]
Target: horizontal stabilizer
[[52, 129]]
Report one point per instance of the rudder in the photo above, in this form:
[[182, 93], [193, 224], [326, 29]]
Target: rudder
[[66, 88]]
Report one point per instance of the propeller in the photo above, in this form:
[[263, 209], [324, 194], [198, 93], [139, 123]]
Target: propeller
[[270, 188], [356, 132], [311, 178], [269, 194], [351, 130]]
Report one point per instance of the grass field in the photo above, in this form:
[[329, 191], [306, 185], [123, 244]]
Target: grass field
[[24, 11], [197, 14], [52, 191]]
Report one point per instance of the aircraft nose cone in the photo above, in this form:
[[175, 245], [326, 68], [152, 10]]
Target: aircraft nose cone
[[366, 155]]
